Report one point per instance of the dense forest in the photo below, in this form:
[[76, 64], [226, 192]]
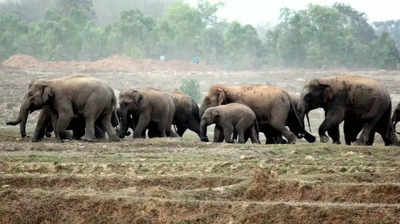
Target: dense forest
[[316, 37]]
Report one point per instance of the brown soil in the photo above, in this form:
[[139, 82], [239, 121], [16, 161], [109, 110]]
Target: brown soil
[[111, 64]]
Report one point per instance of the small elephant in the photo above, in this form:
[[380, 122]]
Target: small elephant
[[227, 119], [187, 115], [362, 103], [70, 97], [141, 108]]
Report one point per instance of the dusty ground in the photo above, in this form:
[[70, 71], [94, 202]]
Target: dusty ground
[[182, 180]]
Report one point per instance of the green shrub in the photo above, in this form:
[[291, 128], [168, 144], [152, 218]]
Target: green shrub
[[192, 88]]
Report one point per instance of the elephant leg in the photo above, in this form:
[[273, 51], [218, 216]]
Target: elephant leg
[[194, 126], [241, 127], [218, 134], [89, 129], [351, 130], [62, 123], [228, 131], [42, 124], [253, 135], [334, 133], [143, 122], [180, 130], [170, 132], [286, 133], [387, 130], [368, 133], [332, 119], [106, 124]]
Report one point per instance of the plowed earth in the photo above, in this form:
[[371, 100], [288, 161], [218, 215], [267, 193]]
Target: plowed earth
[[181, 180]]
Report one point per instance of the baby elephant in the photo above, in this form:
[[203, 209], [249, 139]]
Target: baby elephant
[[227, 119]]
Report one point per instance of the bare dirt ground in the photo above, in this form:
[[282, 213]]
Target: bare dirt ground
[[182, 180]]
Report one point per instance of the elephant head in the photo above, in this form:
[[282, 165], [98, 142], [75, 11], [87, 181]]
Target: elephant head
[[317, 94], [40, 93], [215, 97], [130, 102], [210, 116]]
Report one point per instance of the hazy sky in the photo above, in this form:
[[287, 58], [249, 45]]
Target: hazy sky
[[267, 11]]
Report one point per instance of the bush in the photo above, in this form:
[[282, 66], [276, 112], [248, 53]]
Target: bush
[[192, 88]]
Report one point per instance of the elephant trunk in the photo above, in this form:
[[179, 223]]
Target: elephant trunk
[[203, 131], [123, 124], [22, 117]]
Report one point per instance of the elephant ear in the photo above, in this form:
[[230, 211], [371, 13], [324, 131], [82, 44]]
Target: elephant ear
[[216, 115], [139, 98], [220, 96], [47, 93], [327, 93]]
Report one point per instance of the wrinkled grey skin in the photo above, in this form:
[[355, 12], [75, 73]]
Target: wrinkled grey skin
[[187, 115], [67, 98], [227, 119], [44, 126], [143, 107], [362, 103], [271, 104]]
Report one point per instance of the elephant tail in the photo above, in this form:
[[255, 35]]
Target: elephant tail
[[296, 116], [13, 122]]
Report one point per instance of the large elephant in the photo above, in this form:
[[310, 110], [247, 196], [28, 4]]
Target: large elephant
[[187, 113], [70, 97], [271, 104], [362, 103], [144, 107], [227, 119], [274, 137]]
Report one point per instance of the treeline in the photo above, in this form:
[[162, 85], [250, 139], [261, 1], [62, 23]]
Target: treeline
[[317, 37]]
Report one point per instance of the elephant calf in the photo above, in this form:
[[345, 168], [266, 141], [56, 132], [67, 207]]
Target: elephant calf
[[227, 119]]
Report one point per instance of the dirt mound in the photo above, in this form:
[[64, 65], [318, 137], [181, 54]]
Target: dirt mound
[[113, 63]]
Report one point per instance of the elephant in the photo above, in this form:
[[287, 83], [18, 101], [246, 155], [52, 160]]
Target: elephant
[[44, 126], [67, 98], [362, 103], [271, 104], [274, 137], [395, 120], [187, 115], [227, 119], [144, 107]]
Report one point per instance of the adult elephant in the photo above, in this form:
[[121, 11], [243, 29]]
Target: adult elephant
[[271, 104], [363, 103], [274, 137], [68, 98], [44, 126], [146, 106], [187, 113]]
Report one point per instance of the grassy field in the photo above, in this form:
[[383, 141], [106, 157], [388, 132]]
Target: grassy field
[[182, 180]]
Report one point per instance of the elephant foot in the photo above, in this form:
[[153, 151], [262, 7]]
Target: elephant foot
[[324, 139], [204, 139], [88, 139], [114, 139], [337, 142], [36, 139], [359, 142]]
